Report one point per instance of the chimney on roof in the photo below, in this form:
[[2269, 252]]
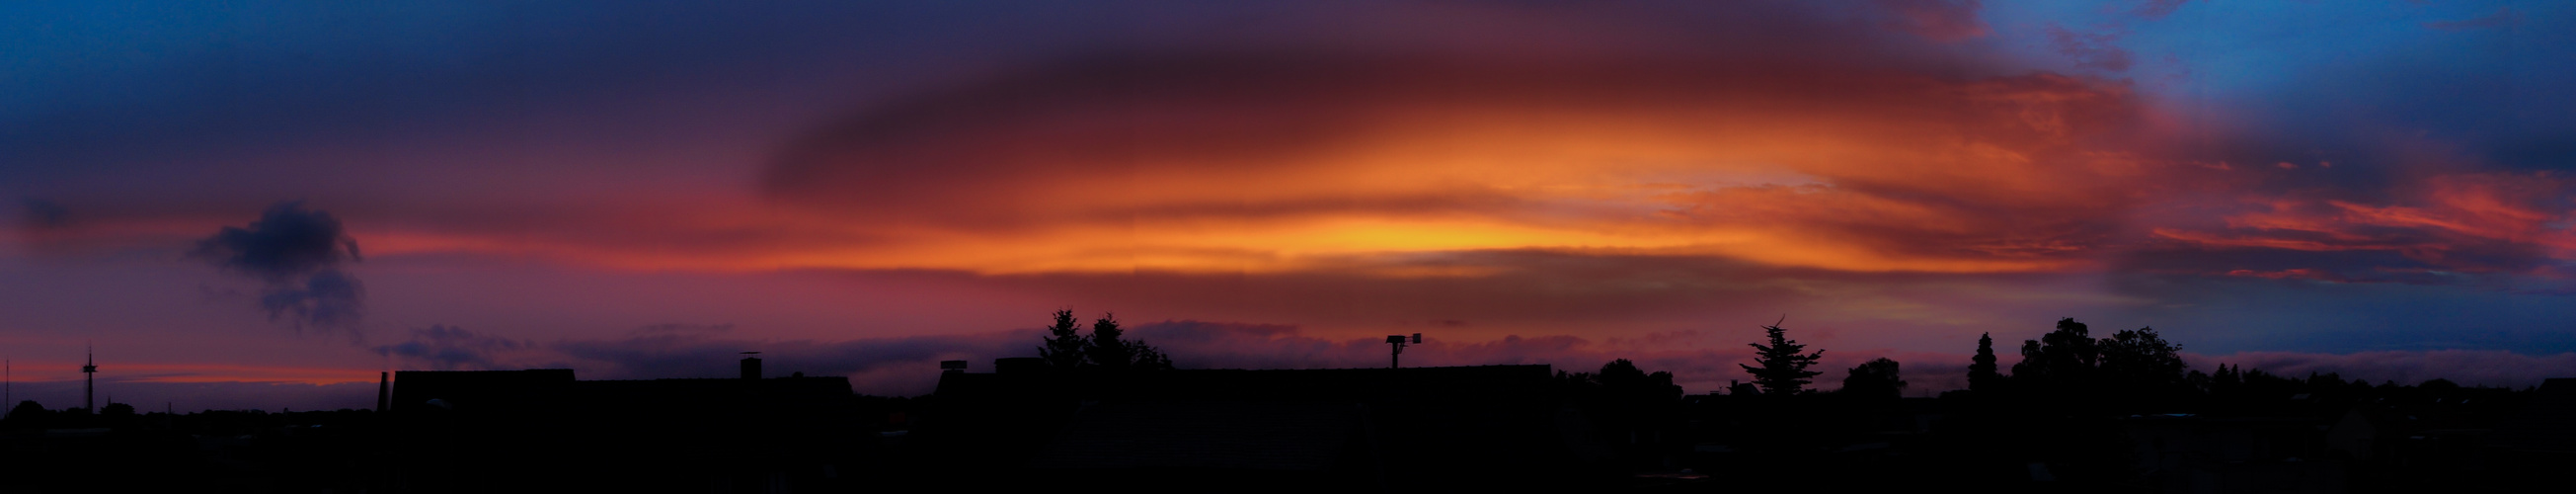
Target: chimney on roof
[[751, 366]]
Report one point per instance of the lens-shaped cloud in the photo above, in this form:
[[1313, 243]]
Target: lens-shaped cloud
[[1272, 161]]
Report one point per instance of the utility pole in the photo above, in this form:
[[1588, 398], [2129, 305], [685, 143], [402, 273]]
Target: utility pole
[[1395, 360]]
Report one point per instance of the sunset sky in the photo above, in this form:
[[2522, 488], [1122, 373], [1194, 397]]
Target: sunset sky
[[263, 204]]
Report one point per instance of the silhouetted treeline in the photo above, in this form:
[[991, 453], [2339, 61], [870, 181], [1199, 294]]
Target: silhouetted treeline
[[2114, 413], [2069, 411]]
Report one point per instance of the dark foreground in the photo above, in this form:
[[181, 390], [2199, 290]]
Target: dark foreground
[[1492, 428]]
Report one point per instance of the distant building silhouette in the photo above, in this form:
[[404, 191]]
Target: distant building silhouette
[[1488, 427], [476, 430]]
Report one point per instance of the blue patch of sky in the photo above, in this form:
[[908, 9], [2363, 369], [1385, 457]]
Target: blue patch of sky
[[2217, 316], [2340, 76]]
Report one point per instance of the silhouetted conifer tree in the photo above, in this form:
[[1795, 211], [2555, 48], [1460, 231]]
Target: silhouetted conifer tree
[[1981, 368], [1149, 358], [1784, 370], [1109, 350], [1874, 379], [1742, 389], [1064, 347]]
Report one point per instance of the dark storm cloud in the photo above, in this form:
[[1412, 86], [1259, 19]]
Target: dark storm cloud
[[327, 299], [299, 255], [286, 242]]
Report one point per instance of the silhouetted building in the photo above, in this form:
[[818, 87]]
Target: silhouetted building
[[1489, 427], [2536, 444], [477, 430], [2545, 426], [2189, 453]]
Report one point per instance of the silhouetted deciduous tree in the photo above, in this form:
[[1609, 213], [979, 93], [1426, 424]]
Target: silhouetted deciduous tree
[[1064, 347], [2060, 360], [1622, 378], [2030, 367], [29, 413], [1784, 370], [1874, 379], [1981, 368], [2141, 361], [1628, 404]]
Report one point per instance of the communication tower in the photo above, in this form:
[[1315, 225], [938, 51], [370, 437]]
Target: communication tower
[[89, 384]]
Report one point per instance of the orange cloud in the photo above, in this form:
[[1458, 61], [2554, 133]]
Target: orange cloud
[[2466, 222], [1266, 163]]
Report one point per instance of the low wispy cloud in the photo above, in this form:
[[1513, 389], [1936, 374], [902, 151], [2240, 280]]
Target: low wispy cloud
[[2091, 50], [441, 347], [1938, 20], [2504, 17], [2466, 367], [2442, 229], [2157, 9], [682, 328], [40, 214]]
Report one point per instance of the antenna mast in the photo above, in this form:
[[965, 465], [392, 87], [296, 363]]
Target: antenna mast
[[1395, 360], [89, 385]]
